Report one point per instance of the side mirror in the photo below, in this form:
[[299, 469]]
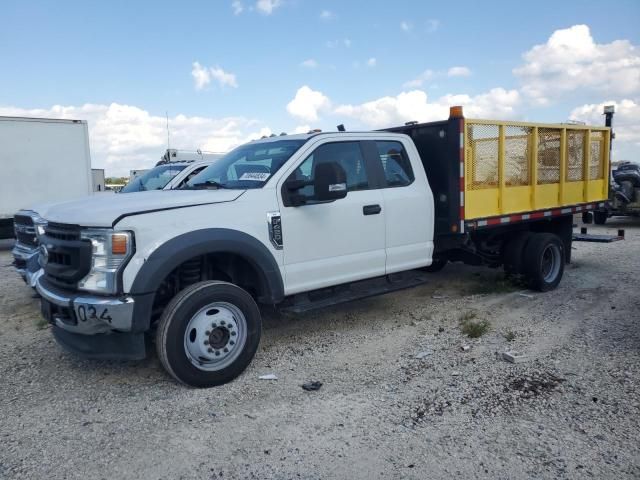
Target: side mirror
[[330, 182]]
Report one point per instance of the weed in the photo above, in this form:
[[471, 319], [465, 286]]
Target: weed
[[475, 329], [468, 315], [497, 284], [41, 323], [510, 335]]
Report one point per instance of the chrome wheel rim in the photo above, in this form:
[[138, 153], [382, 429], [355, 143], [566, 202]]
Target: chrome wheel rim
[[215, 336], [550, 266]]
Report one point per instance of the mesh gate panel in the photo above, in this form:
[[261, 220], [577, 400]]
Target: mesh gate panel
[[548, 155], [575, 155], [482, 141], [516, 155], [595, 166]]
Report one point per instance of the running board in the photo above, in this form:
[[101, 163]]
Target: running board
[[326, 297], [583, 236]]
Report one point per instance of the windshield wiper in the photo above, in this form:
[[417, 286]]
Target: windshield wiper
[[208, 184]]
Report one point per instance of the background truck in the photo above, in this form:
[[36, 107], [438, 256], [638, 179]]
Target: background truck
[[43, 160], [175, 155], [166, 176], [172, 172], [303, 221], [624, 195]]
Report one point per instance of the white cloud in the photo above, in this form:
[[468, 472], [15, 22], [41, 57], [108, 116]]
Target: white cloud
[[496, 103], [414, 105], [420, 79], [372, 62], [626, 125], [125, 137], [302, 129], [307, 104], [326, 15], [309, 63], [571, 60], [237, 7], [267, 6], [405, 26], [202, 76], [224, 78], [458, 72], [433, 24]]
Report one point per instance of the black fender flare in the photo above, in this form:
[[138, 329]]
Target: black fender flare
[[179, 249]]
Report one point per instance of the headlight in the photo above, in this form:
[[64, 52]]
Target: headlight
[[109, 252]]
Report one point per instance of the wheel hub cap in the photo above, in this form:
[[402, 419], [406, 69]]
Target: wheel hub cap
[[215, 336]]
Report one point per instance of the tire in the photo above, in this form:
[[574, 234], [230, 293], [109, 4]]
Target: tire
[[600, 217], [544, 260], [587, 217], [208, 334], [436, 265], [513, 258], [6, 229]]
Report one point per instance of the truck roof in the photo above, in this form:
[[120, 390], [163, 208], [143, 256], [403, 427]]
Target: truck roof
[[44, 120], [307, 136]]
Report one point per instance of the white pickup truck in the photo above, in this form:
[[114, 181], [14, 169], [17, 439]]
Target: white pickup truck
[[295, 221]]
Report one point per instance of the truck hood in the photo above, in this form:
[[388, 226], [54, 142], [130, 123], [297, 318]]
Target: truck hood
[[102, 210]]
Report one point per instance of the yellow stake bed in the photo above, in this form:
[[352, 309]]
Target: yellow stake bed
[[516, 167], [505, 193]]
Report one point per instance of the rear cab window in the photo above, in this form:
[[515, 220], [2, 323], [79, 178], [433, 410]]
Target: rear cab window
[[395, 163]]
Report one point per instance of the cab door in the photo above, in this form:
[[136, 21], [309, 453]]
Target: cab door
[[408, 204], [329, 243]]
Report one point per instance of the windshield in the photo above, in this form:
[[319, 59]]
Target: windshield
[[248, 166], [155, 179]]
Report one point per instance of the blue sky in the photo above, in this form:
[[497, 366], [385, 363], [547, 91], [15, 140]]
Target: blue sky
[[282, 65]]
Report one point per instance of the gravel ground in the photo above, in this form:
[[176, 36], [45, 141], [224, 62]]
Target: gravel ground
[[572, 410]]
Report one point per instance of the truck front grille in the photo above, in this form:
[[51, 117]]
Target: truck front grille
[[25, 230], [63, 231], [69, 257]]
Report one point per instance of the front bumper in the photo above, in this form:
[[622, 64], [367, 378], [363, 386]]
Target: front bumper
[[92, 327], [26, 263], [83, 314]]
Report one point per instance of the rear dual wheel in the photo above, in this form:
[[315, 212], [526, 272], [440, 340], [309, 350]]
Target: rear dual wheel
[[600, 217], [544, 261], [208, 334], [540, 257]]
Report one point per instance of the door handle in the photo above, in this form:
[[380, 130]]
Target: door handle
[[371, 209]]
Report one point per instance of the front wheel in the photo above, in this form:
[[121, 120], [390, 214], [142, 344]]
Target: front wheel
[[208, 334], [544, 259]]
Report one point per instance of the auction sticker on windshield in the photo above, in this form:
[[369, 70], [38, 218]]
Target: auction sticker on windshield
[[255, 176]]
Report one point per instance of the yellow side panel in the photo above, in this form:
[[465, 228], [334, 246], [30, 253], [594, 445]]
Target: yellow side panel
[[596, 191], [517, 199], [573, 192], [481, 203], [515, 167], [547, 196]]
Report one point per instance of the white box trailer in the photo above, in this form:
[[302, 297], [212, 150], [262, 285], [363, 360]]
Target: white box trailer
[[43, 161]]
